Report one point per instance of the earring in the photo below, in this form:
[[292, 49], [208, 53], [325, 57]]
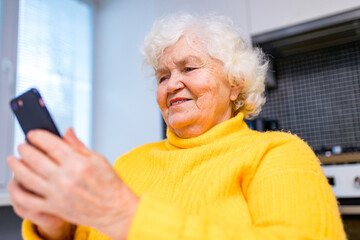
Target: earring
[[238, 104]]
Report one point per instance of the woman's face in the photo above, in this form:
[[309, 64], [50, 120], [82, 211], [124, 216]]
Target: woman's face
[[193, 93]]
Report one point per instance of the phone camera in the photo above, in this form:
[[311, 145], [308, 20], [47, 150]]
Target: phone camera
[[20, 103]]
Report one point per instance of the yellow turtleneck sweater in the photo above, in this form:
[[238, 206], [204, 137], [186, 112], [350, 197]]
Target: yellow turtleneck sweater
[[229, 183]]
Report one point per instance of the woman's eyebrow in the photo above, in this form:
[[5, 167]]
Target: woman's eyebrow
[[180, 62], [190, 59], [160, 71]]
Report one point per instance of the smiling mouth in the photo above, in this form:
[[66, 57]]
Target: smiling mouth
[[178, 102]]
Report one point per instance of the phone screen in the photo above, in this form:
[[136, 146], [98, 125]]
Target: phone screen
[[31, 112]]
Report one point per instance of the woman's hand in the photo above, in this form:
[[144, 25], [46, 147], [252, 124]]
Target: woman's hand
[[65, 180]]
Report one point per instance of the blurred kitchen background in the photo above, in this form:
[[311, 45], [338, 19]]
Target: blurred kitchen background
[[84, 57]]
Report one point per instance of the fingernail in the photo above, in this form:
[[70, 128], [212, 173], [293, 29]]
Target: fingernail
[[29, 134]]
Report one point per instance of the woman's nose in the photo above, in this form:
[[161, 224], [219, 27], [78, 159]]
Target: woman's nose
[[175, 82]]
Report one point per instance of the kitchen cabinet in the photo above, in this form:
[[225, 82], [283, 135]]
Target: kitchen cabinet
[[351, 226], [339, 162], [340, 158], [266, 16], [350, 210]]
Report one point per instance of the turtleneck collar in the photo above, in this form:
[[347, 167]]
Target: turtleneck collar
[[219, 131]]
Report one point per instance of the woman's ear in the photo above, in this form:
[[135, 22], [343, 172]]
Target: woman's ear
[[235, 91]]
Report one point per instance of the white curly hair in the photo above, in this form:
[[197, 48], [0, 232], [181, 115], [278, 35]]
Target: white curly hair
[[243, 64]]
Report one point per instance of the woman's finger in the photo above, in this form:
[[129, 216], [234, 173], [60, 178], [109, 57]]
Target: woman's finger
[[75, 143], [50, 144], [24, 207], [37, 160], [22, 199], [26, 177]]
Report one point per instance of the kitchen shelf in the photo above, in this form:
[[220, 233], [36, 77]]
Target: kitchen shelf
[[350, 210], [340, 158]]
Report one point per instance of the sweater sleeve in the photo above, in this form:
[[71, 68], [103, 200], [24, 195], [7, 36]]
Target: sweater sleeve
[[288, 198], [29, 232]]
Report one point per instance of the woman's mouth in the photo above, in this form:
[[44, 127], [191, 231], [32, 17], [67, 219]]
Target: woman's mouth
[[178, 101]]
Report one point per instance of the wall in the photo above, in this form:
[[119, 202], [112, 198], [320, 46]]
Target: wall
[[236, 10], [270, 15], [125, 112]]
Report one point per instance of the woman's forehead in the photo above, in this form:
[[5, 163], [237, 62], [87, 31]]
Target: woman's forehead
[[184, 51]]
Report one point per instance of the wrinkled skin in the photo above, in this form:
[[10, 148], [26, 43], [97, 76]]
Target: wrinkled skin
[[61, 182], [187, 72]]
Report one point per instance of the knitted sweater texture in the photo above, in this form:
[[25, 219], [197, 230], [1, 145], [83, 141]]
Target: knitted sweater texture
[[229, 183]]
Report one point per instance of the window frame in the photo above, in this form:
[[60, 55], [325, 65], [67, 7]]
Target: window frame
[[8, 53]]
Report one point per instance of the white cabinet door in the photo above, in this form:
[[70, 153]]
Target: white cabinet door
[[271, 15]]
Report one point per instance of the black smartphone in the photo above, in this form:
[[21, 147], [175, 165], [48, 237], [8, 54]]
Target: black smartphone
[[31, 112]]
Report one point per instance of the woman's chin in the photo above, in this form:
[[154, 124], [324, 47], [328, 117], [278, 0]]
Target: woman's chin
[[179, 123], [186, 131]]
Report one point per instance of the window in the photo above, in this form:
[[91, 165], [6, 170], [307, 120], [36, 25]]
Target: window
[[54, 54]]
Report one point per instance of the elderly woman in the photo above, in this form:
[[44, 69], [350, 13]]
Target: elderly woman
[[212, 178]]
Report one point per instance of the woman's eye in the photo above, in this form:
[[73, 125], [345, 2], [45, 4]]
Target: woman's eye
[[162, 79], [189, 69]]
